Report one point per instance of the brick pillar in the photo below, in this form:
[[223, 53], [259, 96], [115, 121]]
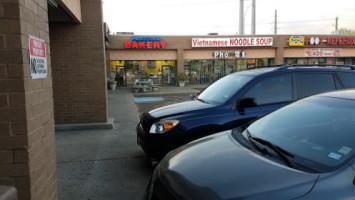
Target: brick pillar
[[79, 67], [279, 56], [27, 139], [180, 60]]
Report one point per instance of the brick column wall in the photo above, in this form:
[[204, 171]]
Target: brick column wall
[[27, 139], [78, 63], [180, 61]]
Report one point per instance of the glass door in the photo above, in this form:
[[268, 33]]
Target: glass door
[[166, 75]]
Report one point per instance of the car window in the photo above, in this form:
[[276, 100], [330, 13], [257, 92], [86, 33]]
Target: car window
[[314, 83], [271, 90], [319, 131], [348, 79], [223, 89]]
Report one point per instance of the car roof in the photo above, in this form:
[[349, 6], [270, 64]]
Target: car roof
[[256, 71], [304, 68], [340, 94]]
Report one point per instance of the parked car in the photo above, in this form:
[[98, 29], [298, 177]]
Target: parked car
[[304, 150], [234, 100]]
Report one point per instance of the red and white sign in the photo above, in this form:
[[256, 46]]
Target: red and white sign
[[348, 41], [38, 58], [232, 42], [323, 52]]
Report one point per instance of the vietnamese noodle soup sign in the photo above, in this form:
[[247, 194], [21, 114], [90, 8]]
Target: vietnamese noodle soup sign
[[38, 58], [232, 42]]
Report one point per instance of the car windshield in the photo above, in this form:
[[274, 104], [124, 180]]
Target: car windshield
[[223, 89], [319, 131]]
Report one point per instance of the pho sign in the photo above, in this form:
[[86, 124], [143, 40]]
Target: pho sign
[[38, 58]]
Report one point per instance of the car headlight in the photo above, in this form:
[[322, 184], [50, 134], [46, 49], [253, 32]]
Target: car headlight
[[163, 126]]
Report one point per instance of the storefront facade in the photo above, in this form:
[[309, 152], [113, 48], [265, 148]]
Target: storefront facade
[[205, 59], [320, 50]]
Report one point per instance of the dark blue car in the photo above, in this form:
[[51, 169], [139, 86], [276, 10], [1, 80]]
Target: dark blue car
[[235, 100]]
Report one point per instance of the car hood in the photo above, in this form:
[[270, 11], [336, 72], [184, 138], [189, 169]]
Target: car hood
[[179, 108], [217, 167]]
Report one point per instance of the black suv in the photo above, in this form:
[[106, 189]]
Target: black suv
[[235, 100]]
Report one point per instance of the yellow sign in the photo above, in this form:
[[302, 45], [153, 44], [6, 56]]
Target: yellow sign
[[296, 41]]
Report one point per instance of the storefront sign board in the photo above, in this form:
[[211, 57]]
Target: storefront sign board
[[296, 41], [314, 40], [323, 52], [144, 45], [232, 42], [38, 58], [235, 54], [145, 42]]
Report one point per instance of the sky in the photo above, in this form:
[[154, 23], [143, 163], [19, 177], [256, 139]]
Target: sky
[[200, 17]]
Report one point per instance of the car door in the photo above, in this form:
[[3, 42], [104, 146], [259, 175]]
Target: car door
[[264, 96], [309, 83], [348, 79]]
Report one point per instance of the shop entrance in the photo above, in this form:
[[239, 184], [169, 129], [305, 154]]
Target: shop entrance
[[168, 75]]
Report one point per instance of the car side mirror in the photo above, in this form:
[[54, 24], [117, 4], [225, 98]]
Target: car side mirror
[[244, 103]]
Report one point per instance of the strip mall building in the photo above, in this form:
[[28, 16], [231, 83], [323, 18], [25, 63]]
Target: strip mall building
[[204, 59], [56, 57]]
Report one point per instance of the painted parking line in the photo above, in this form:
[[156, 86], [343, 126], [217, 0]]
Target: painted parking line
[[147, 99]]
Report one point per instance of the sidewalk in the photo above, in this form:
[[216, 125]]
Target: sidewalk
[[104, 164], [107, 163]]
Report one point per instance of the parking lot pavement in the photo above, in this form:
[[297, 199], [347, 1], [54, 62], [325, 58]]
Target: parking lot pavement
[[165, 96], [104, 164], [147, 102]]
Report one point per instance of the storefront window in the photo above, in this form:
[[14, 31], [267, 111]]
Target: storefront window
[[208, 71], [313, 61], [241, 65], [160, 71], [310, 61], [340, 61], [302, 61], [219, 70], [195, 71], [291, 61], [168, 73], [262, 62], [230, 66]]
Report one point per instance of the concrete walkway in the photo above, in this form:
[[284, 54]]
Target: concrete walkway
[[107, 164], [104, 164]]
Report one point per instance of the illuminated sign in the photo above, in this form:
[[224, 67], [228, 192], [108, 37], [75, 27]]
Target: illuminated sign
[[301, 41], [236, 54], [145, 38], [296, 41], [232, 42], [341, 40], [144, 42]]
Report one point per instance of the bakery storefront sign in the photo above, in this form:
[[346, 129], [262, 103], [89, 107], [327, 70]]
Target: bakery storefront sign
[[232, 42], [323, 52], [145, 42]]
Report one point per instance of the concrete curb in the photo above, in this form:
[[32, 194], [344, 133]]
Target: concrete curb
[[85, 126]]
